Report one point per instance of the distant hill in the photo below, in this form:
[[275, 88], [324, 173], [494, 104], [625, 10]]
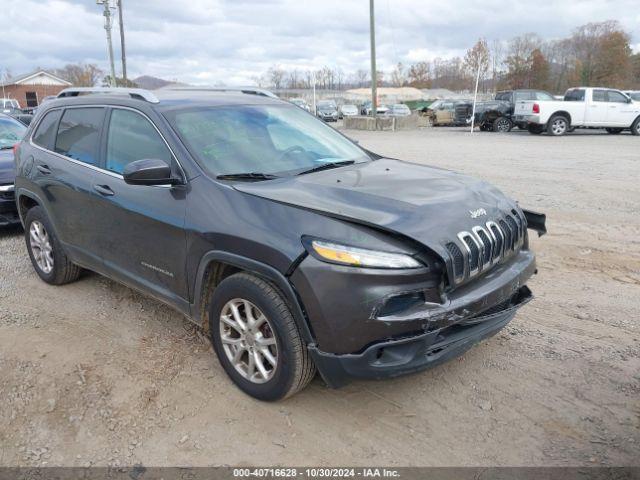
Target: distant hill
[[153, 83]]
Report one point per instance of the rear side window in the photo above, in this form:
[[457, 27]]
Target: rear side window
[[576, 95], [132, 137], [79, 134], [45, 134]]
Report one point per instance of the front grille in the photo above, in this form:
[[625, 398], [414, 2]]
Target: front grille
[[485, 245]]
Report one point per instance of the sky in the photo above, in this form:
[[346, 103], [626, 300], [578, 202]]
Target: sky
[[234, 41]]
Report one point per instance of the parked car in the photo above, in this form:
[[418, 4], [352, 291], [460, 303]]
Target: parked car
[[583, 107], [367, 110], [11, 132], [327, 110], [633, 94], [449, 112], [398, 110], [349, 110], [292, 246], [300, 102], [497, 115], [9, 105]]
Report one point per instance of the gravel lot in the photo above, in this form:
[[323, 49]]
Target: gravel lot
[[94, 374]]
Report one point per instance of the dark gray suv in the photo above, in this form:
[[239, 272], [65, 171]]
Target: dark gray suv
[[293, 247]]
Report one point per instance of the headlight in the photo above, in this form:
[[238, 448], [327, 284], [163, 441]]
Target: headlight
[[359, 257]]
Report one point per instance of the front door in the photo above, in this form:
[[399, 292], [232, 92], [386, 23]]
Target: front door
[[620, 112], [142, 241]]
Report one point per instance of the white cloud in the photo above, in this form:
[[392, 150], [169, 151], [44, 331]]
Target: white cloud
[[234, 40]]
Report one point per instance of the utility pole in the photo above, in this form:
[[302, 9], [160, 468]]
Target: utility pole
[[374, 72], [124, 56], [107, 27]]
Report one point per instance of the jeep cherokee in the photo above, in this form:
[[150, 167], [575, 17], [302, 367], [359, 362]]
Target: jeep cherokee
[[294, 248]]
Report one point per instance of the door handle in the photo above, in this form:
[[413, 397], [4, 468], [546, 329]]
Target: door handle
[[44, 169], [104, 190]]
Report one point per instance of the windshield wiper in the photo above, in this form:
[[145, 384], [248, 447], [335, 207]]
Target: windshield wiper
[[247, 176], [327, 166]]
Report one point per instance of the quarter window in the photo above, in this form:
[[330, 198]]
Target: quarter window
[[46, 131], [132, 137], [79, 134]]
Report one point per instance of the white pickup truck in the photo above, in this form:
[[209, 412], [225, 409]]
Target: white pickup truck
[[581, 107]]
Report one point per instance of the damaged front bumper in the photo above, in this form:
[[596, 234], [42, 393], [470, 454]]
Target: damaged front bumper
[[363, 332], [408, 355]]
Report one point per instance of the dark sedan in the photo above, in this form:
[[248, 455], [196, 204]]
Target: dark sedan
[[11, 132]]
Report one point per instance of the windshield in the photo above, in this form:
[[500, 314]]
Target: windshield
[[11, 132], [269, 139]]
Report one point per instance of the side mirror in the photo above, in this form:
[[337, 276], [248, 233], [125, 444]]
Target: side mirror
[[149, 172]]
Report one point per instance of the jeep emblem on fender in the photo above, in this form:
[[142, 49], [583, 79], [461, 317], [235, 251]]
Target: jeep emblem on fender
[[478, 213]]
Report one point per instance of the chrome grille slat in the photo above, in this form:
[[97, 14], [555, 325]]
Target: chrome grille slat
[[486, 245]]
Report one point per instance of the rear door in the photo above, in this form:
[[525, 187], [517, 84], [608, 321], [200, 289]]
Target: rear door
[[65, 151], [142, 239], [597, 109]]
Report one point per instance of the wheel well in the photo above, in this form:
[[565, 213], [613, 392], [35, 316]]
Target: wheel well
[[215, 273], [25, 204], [562, 114]]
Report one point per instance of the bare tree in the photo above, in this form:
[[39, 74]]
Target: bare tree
[[398, 77], [80, 74]]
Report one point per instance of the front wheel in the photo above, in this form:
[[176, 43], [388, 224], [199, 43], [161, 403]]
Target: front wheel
[[558, 126], [635, 128], [257, 340]]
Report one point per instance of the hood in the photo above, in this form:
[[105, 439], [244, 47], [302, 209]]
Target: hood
[[426, 204], [7, 167]]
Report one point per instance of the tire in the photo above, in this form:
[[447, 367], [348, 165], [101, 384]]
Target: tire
[[277, 334], [502, 125], [535, 129], [558, 125], [635, 128], [45, 251], [613, 131]]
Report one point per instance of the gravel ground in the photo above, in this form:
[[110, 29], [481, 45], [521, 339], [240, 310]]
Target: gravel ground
[[94, 374]]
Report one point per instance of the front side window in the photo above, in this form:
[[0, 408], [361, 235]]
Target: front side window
[[131, 137], [11, 132], [79, 134], [616, 97], [270, 139], [45, 134]]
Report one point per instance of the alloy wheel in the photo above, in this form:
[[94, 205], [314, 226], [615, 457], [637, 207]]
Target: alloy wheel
[[41, 246], [503, 125], [559, 126], [248, 340]]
